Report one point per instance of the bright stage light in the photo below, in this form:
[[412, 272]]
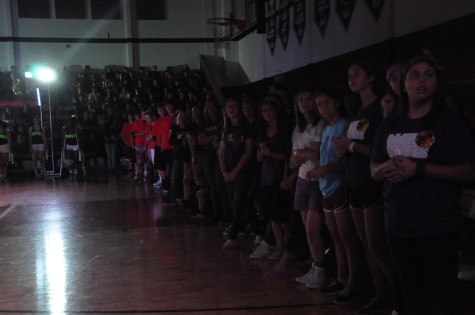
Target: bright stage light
[[28, 75], [46, 75]]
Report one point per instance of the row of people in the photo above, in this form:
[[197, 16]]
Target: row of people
[[369, 182], [382, 188], [36, 142]]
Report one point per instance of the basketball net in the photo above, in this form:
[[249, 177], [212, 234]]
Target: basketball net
[[221, 29], [221, 36]]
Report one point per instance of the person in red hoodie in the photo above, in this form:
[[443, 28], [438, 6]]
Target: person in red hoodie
[[163, 160]]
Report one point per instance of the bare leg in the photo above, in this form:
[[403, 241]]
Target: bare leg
[[340, 251], [202, 197], [313, 227], [352, 246], [281, 265], [278, 233], [186, 182]]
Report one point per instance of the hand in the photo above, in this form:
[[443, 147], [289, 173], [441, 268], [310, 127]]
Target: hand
[[407, 167], [232, 176], [286, 184], [296, 153], [297, 159], [265, 151], [227, 177], [315, 173], [397, 169]]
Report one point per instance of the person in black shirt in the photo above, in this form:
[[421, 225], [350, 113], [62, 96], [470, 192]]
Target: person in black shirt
[[235, 151]]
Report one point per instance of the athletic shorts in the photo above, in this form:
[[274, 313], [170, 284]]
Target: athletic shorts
[[38, 147], [4, 148], [367, 196], [336, 201], [307, 196], [70, 147]]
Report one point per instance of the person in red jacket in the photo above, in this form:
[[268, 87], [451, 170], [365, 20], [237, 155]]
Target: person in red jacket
[[165, 159]]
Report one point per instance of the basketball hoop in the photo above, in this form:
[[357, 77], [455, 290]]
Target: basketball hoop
[[222, 30]]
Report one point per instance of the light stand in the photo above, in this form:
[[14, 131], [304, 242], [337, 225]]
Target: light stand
[[47, 76]]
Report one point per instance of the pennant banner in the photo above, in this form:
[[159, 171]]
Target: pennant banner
[[271, 35], [284, 15], [299, 19], [375, 6], [321, 15], [344, 10]]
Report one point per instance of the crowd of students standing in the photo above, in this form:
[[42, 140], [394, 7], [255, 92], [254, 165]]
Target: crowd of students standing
[[379, 189]]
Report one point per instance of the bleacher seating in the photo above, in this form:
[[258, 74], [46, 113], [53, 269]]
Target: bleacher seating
[[81, 89]]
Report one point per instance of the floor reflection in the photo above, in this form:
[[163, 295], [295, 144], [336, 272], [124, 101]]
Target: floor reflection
[[51, 272], [102, 244]]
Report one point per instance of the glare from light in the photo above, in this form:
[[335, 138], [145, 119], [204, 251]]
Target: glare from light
[[55, 271], [28, 74], [38, 96], [46, 75]]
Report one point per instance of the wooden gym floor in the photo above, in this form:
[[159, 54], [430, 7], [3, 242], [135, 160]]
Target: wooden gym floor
[[106, 245]]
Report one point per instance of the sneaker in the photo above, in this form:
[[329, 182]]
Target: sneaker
[[276, 254], [261, 251], [304, 279], [230, 244], [227, 230], [196, 213], [348, 296], [169, 203], [318, 278], [334, 287], [375, 307], [257, 240]]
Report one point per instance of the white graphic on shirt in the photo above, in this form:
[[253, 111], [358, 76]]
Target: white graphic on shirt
[[357, 129], [235, 138], [414, 145]]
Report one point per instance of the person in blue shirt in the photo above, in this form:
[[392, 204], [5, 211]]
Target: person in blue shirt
[[331, 175]]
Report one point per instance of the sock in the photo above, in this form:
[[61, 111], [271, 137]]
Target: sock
[[319, 265]]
